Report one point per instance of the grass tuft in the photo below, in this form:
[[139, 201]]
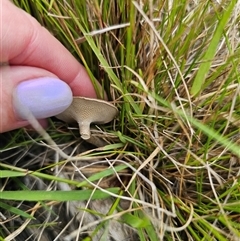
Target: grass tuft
[[172, 154]]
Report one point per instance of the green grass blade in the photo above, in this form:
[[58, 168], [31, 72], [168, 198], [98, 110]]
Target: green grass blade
[[210, 53], [80, 195], [14, 210]]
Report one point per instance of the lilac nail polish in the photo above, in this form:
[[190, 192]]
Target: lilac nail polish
[[43, 97]]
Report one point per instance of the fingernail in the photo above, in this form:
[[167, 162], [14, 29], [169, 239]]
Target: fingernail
[[43, 97]]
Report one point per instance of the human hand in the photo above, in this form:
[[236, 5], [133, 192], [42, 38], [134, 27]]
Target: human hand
[[42, 74]]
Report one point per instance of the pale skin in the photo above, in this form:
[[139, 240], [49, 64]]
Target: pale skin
[[30, 51]]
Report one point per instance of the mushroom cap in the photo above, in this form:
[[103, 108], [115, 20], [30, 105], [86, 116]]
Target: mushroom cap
[[86, 111]]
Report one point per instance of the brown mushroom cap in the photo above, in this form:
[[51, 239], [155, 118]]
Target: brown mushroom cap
[[86, 111]]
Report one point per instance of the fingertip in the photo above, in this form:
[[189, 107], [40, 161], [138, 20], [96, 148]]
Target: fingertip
[[43, 97], [38, 101]]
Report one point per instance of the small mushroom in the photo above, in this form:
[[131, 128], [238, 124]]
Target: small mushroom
[[85, 111]]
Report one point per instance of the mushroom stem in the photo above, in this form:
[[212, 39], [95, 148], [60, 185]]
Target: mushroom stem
[[84, 129]]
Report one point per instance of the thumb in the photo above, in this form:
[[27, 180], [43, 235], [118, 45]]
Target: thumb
[[38, 90]]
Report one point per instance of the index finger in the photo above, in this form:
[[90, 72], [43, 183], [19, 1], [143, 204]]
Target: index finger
[[25, 42]]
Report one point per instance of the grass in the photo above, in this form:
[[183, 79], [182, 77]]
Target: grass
[[174, 150]]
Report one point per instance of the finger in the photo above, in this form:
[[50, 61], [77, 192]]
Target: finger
[[29, 88], [25, 42]]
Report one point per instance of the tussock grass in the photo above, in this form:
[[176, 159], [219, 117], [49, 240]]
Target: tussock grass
[[172, 69]]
